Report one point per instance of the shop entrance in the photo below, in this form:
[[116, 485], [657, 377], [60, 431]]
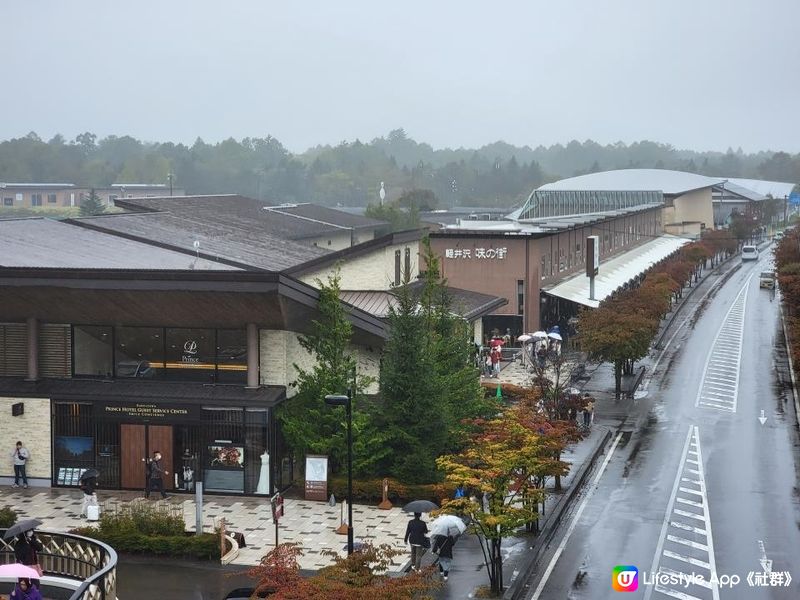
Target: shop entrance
[[138, 442]]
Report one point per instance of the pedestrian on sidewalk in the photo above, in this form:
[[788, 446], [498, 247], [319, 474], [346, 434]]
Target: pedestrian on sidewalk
[[21, 457], [443, 546], [495, 356], [155, 476], [26, 552], [416, 531], [88, 487], [588, 413]]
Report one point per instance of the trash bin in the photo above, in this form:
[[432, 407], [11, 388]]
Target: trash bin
[[93, 512]]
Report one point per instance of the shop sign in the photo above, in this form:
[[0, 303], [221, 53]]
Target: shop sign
[[190, 352], [316, 477], [149, 411], [478, 253]]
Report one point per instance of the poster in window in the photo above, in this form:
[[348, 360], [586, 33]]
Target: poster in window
[[226, 457], [62, 475], [74, 449]]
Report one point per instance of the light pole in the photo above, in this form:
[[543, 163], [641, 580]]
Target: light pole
[[170, 176], [347, 402]]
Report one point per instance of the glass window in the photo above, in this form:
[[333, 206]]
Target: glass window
[[520, 296], [139, 352], [36, 199], [92, 351], [232, 356], [397, 276], [51, 198], [190, 355], [407, 262]]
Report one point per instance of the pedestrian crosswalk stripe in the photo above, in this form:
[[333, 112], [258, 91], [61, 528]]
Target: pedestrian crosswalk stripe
[[686, 527], [675, 593], [687, 559], [685, 542]]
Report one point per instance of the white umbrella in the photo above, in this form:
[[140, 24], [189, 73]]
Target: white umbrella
[[555, 336], [540, 334], [447, 525], [524, 337]]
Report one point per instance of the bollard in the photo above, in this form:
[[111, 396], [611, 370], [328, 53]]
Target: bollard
[[198, 507]]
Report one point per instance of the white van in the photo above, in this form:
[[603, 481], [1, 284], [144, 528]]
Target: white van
[[749, 253]]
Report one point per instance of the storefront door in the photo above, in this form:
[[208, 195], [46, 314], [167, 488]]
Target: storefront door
[[139, 442]]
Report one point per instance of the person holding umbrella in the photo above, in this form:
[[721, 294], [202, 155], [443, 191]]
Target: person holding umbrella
[[25, 590], [443, 546], [27, 548], [445, 529], [88, 485], [416, 530]]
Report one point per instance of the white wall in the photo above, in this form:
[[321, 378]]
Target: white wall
[[693, 206], [281, 350], [372, 271], [334, 241], [33, 429]]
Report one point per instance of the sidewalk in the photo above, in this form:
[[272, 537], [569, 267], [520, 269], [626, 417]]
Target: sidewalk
[[311, 524]]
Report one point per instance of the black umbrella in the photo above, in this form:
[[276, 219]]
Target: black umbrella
[[89, 473], [420, 506], [21, 527]]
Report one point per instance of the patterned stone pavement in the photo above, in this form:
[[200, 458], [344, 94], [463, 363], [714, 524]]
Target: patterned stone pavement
[[311, 524]]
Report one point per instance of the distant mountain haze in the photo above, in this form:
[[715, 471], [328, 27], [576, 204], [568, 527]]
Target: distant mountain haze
[[350, 173]]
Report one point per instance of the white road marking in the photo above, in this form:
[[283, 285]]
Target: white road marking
[[575, 519], [679, 541]]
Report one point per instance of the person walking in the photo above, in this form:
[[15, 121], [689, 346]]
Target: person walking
[[443, 546], [155, 476], [588, 413], [26, 552], [88, 487], [21, 457], [415, 534], [25, 590], [495, 357]]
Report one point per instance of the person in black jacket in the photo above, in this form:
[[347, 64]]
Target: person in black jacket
[[155, 476], [443, 546], [88, 487], [26, 552], [415, 533]]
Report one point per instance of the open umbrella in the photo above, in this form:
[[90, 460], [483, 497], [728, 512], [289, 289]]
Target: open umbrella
[[524, 337], [496, 342], [554, 336], [18, 571], [420, 506], [539, 334], [21, 527], [89, 473], [447, 525]]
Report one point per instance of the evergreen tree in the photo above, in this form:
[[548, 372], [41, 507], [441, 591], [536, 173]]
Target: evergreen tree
[[91, 205], [308, 424]]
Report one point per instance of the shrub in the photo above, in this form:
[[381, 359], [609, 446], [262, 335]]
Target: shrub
[[8, 517], [144, 518], [371, 490]]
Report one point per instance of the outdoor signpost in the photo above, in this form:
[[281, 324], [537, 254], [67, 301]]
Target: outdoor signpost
[[592, 261], [316, 477], [277, 512], [385, 504]]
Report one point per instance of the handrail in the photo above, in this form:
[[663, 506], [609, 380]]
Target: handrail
[[87, 560]]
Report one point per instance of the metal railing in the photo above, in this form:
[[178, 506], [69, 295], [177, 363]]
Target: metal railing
[[92, 564]]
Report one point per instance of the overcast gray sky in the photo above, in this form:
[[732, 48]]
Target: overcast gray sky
[[701, 74]]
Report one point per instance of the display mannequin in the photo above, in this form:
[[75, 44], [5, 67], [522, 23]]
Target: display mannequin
[[263, 478]]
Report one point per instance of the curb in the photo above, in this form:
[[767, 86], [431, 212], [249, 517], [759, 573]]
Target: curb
[[791, 367], [552, 522]]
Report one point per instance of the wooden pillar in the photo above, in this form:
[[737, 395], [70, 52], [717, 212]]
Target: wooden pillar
[[33, 349], [252, 356]]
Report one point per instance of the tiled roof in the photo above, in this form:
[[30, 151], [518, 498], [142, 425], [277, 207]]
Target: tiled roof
[[42, 243], [236, 242]]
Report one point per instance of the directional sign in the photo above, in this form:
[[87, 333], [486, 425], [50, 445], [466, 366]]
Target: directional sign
[[762, 418]]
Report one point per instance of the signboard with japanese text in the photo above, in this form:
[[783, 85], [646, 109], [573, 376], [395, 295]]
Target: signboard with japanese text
[[316, 477], [476, 253]]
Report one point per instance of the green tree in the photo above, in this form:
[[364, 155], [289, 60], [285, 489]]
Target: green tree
[[308, 424], [91, 205]]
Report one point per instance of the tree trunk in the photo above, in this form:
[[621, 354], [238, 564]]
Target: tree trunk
[[618, 378], [558, 477], [496, 578]]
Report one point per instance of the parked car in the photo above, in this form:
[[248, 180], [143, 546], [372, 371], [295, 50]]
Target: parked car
[[749, 253], [767, 279]]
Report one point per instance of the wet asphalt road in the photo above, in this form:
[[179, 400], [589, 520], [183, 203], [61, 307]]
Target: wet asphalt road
[[697, 483]]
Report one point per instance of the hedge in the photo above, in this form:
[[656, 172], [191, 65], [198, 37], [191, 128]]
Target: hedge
[[203, 546], [371, 490], [8, 517]]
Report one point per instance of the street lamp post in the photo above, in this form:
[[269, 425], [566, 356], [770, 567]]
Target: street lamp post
[[347, 402]]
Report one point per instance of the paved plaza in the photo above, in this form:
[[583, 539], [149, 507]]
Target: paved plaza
[[311, 524]]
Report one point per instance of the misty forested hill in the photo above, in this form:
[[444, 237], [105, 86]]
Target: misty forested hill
[[350, 173]]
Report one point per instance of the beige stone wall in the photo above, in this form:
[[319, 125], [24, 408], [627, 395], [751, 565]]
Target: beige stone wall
[[33, 430], [477, 331], [281, 351], [373, 271], [693, 206]]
